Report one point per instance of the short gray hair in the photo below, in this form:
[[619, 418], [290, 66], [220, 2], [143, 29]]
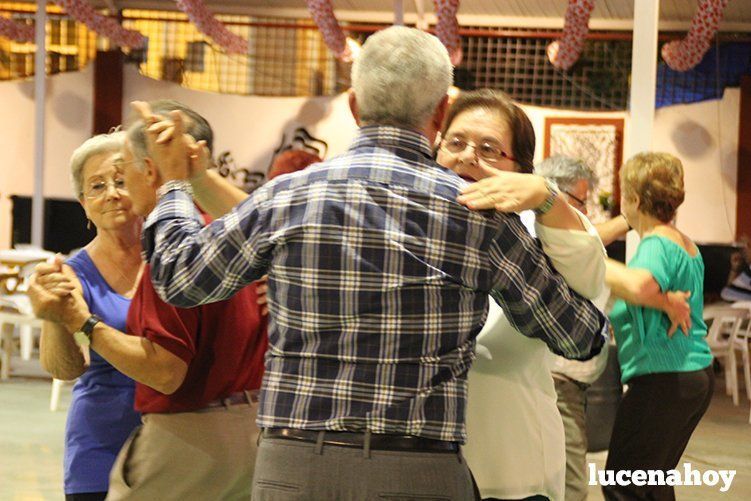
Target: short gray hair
[[136, 136], [102, 143], [195, 125], [400, 77], [566, 171]]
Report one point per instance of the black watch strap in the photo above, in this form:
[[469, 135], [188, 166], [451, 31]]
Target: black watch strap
[[88, 326]]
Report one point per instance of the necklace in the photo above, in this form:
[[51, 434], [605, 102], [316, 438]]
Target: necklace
[[132, 285]]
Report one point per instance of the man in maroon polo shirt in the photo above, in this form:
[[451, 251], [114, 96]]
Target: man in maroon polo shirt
[[200, 441], [197, 370]]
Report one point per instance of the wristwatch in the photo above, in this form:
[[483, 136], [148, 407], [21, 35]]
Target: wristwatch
[[82, 336], [175, 184], [545, 207]]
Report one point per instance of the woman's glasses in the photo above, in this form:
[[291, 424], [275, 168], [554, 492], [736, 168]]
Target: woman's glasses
[[578, 202], [485, 151], [98, 189]]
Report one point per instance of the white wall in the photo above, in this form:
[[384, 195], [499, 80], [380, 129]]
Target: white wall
[[251, 127], [703, 135], [69, 118]]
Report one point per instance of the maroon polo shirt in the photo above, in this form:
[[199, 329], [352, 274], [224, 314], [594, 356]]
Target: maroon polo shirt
[[223, 344]]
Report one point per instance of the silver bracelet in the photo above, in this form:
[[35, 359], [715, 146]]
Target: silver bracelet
[[545, 207], [175, 184]]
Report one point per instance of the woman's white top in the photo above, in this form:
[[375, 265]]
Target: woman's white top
[[516, 443]]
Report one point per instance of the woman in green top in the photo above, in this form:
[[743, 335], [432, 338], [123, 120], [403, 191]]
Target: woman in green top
[[669, 376]]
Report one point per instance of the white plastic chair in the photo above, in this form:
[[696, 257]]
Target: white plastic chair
[[27, 325], [741, 344], [722, 340]]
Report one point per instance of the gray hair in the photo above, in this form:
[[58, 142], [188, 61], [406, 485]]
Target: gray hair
[[400, 77], [195, 125], [566, 171], [136, 136], [102, 143]]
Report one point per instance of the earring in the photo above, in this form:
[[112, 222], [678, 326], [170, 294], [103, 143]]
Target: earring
[[88, 223]]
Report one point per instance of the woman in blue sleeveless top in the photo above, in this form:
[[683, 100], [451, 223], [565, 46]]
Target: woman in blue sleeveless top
[[105, 272]]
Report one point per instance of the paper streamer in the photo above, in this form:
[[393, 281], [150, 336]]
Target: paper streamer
[[322, 12], [83, 12], [565, 51], [212, 27], [447, 28], [685, 54], [18, 32]]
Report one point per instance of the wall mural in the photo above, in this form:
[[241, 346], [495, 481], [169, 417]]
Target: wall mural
[[299, 140]]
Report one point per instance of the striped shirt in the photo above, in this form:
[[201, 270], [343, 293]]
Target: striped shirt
[[378, 285]]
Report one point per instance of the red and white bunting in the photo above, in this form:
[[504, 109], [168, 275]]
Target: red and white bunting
[[565, 51], [685, 54], [83, 12], [322, 12], [447, 28], [212, 27], [15, 31]]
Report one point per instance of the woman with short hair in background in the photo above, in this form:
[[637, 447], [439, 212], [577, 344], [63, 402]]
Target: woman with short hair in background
[[669, 377]]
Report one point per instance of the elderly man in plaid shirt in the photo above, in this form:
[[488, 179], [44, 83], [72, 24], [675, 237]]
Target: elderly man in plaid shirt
[[378, 283]]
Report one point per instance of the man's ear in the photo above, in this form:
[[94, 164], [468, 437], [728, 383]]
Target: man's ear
[[440, 113], [151, 173], [353, 106]]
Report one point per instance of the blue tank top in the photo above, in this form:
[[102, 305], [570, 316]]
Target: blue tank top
[[101, 415]]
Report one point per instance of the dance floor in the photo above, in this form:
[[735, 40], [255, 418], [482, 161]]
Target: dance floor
[[31, 445]]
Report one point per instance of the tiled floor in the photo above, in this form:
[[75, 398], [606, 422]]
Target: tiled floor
[[31, 445]]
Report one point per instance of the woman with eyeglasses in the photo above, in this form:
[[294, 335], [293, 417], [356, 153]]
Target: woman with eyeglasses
[[515, 445], [106, 273]]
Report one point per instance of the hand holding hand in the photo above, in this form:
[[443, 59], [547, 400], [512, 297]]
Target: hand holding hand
[[505, 192], [53, 295]]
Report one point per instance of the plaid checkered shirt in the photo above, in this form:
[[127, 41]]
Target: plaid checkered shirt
[[378, 284]]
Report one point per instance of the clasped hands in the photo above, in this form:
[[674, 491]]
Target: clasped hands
[[55, 298]]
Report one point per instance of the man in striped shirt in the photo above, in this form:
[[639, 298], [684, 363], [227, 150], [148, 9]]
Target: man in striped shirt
[[378, 283]]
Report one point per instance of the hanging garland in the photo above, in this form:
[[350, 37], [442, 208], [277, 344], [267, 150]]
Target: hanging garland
[[212, 27], [565, 51], [18, 32], [322, 12], [83, 12], [447, 28], [683, 55]]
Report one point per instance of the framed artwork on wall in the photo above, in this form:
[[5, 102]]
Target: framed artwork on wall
[[598, 142]]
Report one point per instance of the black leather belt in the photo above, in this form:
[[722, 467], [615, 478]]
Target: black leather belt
[[240, 397], [378, 442]]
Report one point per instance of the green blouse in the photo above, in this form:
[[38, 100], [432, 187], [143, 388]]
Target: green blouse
[[641, 333]]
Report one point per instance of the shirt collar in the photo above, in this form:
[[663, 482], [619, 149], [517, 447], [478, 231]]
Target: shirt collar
[[390, 137]]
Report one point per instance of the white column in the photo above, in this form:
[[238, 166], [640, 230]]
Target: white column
[[643, 87], [422, 22], [40, 91], [643, 76], [398, 12]]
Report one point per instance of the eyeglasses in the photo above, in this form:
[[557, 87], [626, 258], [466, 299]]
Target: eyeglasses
[[579, 202], [98, 189], [484, 151]]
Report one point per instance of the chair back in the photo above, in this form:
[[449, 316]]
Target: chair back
[[726, 323]]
